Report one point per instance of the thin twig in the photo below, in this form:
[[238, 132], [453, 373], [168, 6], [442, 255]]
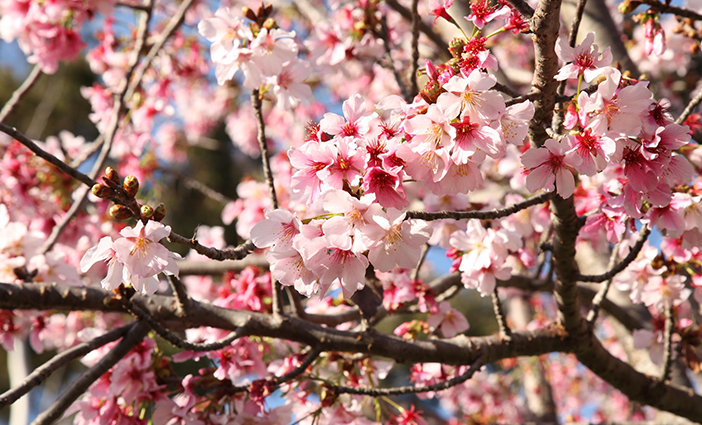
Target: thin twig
[[579, 11], [176, 341], [279, 380], [505, 331], [44, 371], [602, 293], [268, 174], [236, 253], [109, 134], [508, 91], [667, 8], [630, 257], [689, 108], [440, 386], [18, 94], [481, 215], [414, 86], [422, 256], [197, 185], [440, 43], [383, 35], [181, 295], [668, 343], [170, 28], [79, 386], [15, 134]]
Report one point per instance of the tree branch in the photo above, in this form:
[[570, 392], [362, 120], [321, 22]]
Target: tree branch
[[59, 360], [268, 173], [109, 134], [80, 385], [439, 386], [18, 94], [481, 215], [668, 342], [505, 331], [630, 257], [674, 10], [602, 293], [690, 108], [414, 86]]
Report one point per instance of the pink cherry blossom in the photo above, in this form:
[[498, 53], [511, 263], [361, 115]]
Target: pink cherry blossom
[[585, 59], [398, 241], [482, 12], [471, 96], [550, 164], [451, 321]]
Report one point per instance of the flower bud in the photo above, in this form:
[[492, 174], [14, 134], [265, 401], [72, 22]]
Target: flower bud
[[269, 24], [147, 212], [102, 191], [249, 13], [628, 6], [131, 186], [160, 212], [111, 174], [120, 212]]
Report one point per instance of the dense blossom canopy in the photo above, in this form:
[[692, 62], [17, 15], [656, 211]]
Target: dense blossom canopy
[[555, 166]]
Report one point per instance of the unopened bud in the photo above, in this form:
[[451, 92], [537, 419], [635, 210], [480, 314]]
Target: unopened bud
[[249, 13], [102, 191], [269, 24], [160, 212], [147, 212], [131, 186], [695, 48], [120, 212], [628, 6], [111, 174]]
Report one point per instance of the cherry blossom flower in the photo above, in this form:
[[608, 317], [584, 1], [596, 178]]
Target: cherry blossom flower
[[594, 151], [471, 96], [143, 256], [451, 321], [482, 12], [550, 164], [399, 241], [439, 9], [585, 59], [355, 121], [277, 230]]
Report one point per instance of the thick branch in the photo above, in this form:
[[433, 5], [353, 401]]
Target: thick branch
[[545, 24], [460, 350]]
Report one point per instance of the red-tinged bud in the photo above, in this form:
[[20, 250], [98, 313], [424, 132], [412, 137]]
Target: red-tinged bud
[[120, 212], [147, 212], [160, 212], [111, 174], [131, 186], [102, 191]]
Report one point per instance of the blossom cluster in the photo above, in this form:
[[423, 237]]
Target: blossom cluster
[[137, 258]]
